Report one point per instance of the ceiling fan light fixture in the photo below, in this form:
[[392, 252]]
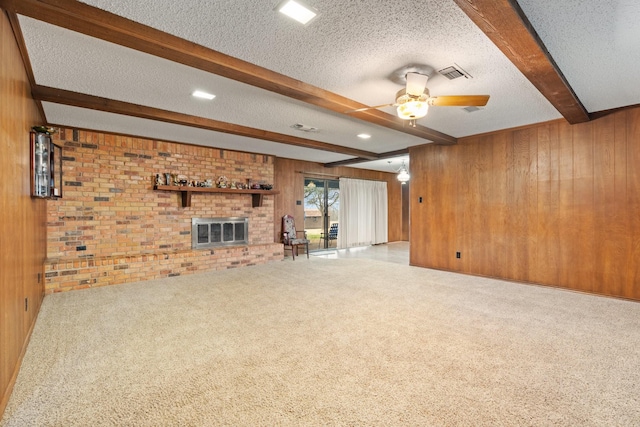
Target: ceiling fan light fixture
[[413, 110], [412, 107], [413, 101]]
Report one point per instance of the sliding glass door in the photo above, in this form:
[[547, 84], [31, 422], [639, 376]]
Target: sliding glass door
[[321, 208]]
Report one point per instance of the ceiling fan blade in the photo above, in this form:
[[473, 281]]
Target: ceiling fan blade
[[459, 101], [416, 83], [369, 108]]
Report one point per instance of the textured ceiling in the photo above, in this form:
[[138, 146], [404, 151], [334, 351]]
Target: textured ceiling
[[596, 44], [350, 49], [107, 70]]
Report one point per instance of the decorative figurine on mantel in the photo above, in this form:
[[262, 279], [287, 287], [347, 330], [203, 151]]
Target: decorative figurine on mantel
[[233, 185], [222, 182], [158, 179]]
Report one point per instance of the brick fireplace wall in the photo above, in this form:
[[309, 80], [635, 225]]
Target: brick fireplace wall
[[112, 227]]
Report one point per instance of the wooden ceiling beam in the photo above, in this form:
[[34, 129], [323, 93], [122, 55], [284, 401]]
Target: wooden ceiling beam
[[17, 34], [506, 25], [347, 162], [59, 96], [94, 22], [356, 160]]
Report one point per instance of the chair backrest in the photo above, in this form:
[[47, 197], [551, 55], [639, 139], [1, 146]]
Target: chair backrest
[[333, 231], [288, 228]]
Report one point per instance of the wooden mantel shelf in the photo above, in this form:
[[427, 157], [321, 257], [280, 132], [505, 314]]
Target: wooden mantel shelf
[[256, 195]]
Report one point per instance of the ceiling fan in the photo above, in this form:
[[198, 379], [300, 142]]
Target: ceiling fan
[[413, 101]]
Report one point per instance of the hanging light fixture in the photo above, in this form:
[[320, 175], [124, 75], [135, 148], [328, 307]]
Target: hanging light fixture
[[403, 174]]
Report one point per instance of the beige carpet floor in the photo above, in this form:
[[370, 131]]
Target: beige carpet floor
[[330, 342]]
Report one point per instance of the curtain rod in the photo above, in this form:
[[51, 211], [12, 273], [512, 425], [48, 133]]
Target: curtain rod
[[321, 174], [340, 176]]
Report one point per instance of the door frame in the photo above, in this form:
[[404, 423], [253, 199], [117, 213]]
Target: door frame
[[327, 184]]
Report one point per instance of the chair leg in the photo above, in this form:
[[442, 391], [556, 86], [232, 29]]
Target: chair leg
[[307, 250], [293, 252]]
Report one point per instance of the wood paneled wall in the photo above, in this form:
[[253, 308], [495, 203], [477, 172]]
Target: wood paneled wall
[[23, 224], [290, 182], [551, 203], [405, 211]]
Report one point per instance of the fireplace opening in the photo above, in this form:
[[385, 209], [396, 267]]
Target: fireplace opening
[[212, 232]]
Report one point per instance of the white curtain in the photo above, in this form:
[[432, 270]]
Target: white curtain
[[363, 213]]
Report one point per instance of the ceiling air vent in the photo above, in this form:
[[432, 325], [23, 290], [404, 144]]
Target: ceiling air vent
[[471, 109], [304, 128], [454, 72]]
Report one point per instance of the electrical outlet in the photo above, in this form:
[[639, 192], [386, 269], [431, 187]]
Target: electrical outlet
[[419, 199], [26, 304], [457, 254]]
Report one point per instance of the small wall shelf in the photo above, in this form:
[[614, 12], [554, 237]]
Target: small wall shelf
[[256, 195]]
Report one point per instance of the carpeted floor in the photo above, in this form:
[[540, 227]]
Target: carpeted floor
[[330, 342]]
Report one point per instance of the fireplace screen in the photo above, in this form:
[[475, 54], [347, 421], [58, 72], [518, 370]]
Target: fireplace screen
[[212, 232]]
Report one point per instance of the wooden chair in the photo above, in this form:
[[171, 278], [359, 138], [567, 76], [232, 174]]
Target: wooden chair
[[290, 236]]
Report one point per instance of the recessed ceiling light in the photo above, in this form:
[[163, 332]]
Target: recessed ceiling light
[[297, 11], [204, 95], [364, 135]]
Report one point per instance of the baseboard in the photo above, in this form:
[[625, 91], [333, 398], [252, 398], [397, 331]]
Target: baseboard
[[524, 282]]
